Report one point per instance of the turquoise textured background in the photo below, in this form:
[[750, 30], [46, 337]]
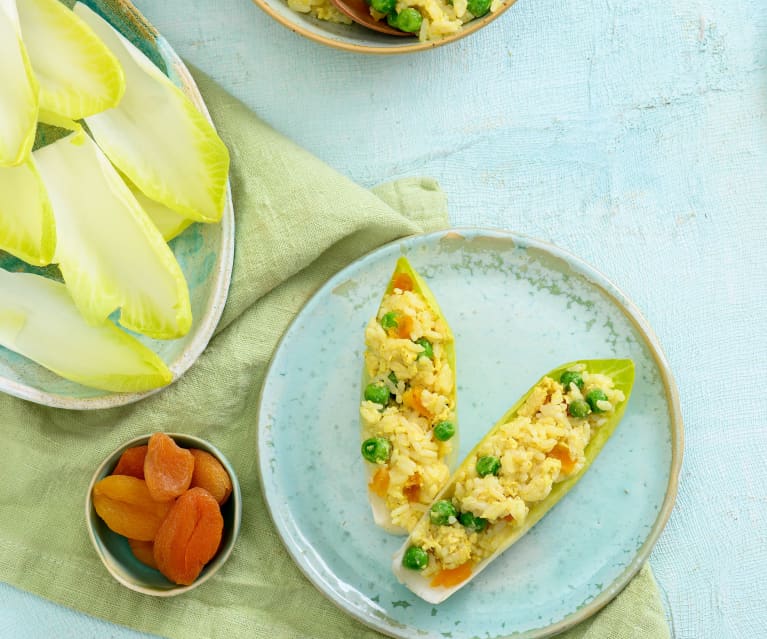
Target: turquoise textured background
[[631, 133]]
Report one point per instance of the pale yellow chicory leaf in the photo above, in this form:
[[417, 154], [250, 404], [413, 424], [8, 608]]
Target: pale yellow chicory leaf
[[109, 252], [62, 122], [39, 320], [168, 222], [78, 75], [18, 91], [27, 227], [157, 137]]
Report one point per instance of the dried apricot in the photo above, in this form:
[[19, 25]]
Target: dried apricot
[[189, 536], [209, 474], [131, 462], [143, 551], [167, 468], [125, 505]]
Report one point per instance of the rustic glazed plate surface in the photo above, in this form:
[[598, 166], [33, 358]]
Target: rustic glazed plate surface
[[517, 308], [204, 252]]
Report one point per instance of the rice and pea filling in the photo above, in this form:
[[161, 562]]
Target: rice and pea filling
[[408, 410], [511, 470]]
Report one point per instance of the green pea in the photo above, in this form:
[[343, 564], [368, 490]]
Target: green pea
[[376, 450], [409, 20], [571, 377], [579, 408], [593, 397], [383, 6], [478, 8], [415, 558], [472, 523], [441, 512], [377, 393], [391, 20], [389, 321], [444, 431], [428, 351], [393, 378], [488, 465]]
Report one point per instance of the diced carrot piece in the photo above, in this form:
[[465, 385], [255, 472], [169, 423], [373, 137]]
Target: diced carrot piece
[[380, 482], [412, 488], [404, 326], [412, 399], [562, 453], [402, 281], [449, 577]]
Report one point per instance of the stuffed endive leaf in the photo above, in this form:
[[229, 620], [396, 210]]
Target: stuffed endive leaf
[[524, 465], [18, 91], [157, 137], [109, 252], [408, 405], [27, 227], [39, 320], [78, 75]]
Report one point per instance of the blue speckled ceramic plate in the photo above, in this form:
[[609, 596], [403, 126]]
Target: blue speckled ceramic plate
[[204, 252], [518, 308]]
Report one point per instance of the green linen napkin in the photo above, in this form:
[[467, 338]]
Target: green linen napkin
[[298, 222]]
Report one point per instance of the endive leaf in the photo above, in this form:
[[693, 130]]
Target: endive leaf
[[18, 91], [108, 250], [39, 320], [27, 227], [621, 371], [404, 392], [62, 122], [78, 75], [168, 222], [157, 137]]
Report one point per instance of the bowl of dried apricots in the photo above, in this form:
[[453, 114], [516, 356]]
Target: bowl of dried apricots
[[163, 512]]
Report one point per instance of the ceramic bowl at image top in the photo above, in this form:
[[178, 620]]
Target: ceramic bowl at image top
[[205, 253], [359, 39], [114, 551]]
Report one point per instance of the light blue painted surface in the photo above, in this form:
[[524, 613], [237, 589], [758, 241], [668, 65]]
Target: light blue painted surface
[[631, 133]]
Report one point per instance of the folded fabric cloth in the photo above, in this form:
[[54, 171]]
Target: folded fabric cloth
[[297, 222]]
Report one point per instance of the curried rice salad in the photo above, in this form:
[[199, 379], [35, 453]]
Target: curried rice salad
[[513, 468], [428, 19], [408, 407]]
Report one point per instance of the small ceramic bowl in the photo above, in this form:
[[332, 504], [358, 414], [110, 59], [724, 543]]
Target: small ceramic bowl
[[113, 549], [354, 37]]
